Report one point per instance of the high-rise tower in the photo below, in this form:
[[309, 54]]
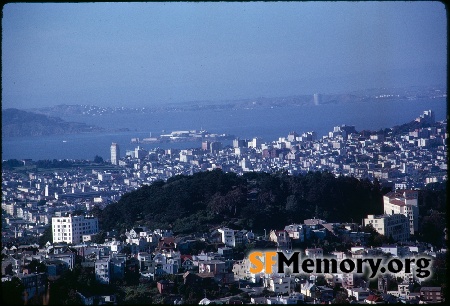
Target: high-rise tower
[[115, 153]]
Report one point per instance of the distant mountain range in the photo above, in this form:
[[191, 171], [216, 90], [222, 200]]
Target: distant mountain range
[[368, 95], [42, 121], [17, 123]]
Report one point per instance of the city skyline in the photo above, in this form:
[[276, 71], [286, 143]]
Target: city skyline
[[142, 54]]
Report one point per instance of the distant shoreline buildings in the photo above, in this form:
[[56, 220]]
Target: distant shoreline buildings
[[406, 159], [180, 136]]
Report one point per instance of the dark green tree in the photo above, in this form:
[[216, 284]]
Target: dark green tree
[[340, 298], [47, 236], [432, 228], [11, 164], [374, 239], [99, 237], [12, 292], [36, 266], [98, 159]]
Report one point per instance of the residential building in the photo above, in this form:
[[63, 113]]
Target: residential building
[[314, 252], [296, 231], [359, 293], [403, 202], [33, 283], [395, 225], [71, 229], [431, 294], [102, 271], [139, 153], [279, 284], [227, 236], [211, 266], [281, 238]]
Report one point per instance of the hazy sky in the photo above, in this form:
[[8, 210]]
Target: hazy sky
[[138, 54]]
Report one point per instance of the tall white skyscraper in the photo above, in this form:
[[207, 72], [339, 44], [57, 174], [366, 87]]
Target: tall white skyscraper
[[115, 153]]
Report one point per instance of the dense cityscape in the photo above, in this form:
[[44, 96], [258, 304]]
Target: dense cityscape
[[224, 153], [49, 226]]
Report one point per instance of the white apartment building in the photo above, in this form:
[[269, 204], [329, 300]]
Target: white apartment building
[[403, 202], [241, 269], [279, 285], [227, 236], [72, 228], [395, 225], [9, 208], [255, 143], [186, 156]]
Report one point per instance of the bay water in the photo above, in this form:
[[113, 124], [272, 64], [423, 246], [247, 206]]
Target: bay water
[[266, 123]]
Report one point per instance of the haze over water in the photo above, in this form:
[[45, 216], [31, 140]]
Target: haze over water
[[139, 54], [269, 124], [147, 54]]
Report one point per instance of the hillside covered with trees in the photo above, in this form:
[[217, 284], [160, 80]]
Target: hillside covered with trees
[[257, 201]]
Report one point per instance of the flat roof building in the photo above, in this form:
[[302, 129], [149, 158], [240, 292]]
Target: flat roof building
[[71, 229], [403, 202], [395, 226]]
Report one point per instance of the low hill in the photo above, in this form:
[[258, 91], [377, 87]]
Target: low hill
[[262, 202], [256, 201], [17, 123]]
